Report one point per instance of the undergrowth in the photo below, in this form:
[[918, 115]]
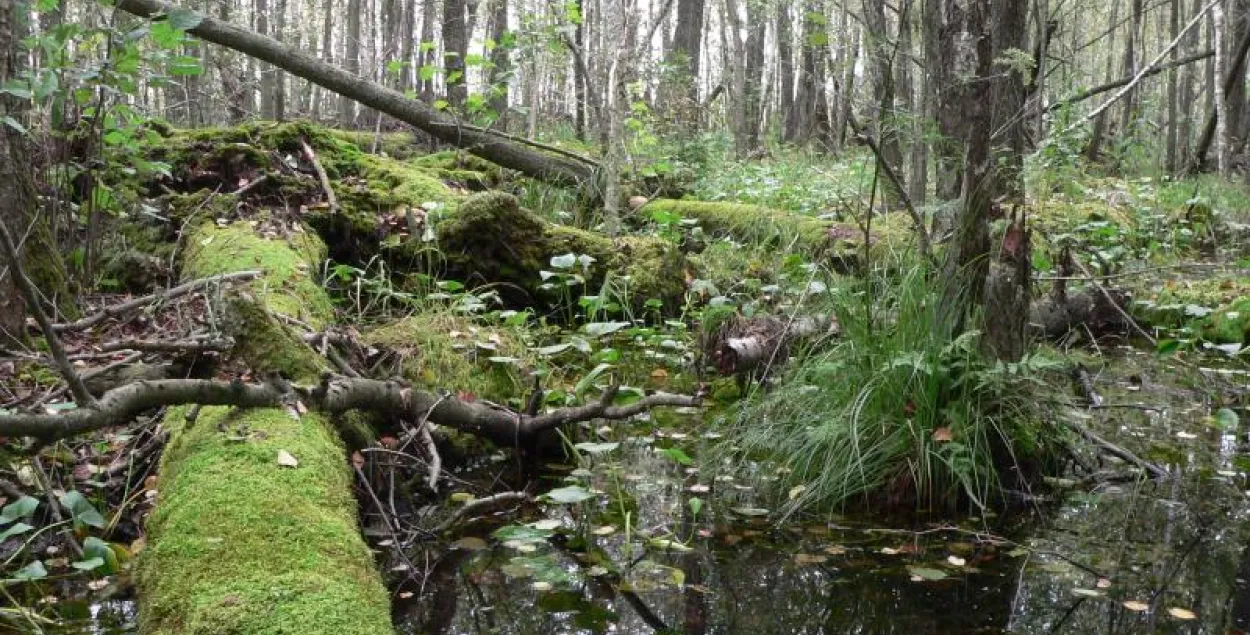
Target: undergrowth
[[902, 411]]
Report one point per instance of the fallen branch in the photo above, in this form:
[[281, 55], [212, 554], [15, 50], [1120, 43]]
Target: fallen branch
[[321, 175], [119, 310], [334, 395], [1098, 90], [1117, 451], [31, 294], [901, 189], [250, 187], [168, 346], [482, 506], [1116, 305], [553, 169]]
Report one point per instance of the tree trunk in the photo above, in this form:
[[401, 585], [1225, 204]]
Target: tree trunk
[[846, 88], [939, 60], [455, 48], [425, 64], [1131, 66], [264, 71], [277, 77], [809, 116], [684, 57], [327, 54], [753, 81], [881, 63], [1173, 130], [1010, 20], [1094, 147], [351, 62], [1221, 102], [913, 106], [785, 73], [553, 169], [1236, 64], [500, 64]]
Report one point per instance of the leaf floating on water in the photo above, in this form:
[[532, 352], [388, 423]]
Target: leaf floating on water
[[810, 558], [285, 459], [469, 543], [1226, 419], [1134, 605], [1182, 614], [541, 586], [671, 545], [926, 574], [569, 495], [956, 561], [753, 512], [1089, 593]]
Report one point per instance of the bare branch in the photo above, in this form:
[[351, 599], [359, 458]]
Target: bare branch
[[76, 386], [118, 310], [321, 175]]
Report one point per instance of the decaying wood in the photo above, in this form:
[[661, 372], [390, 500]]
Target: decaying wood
[[321, 175], [1112, 449], [544, 166], [1100, 312], [743, 346]]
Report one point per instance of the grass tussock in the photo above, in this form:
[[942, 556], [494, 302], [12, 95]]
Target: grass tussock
[[902, 411]]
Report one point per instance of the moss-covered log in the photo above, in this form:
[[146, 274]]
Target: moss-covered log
[[240, 543], [839, 242], [492, 240]]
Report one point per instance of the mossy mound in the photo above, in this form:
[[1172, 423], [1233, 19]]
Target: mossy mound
[[840, 242], [492, 240], [439, 350], [241, 545], [285, 257]]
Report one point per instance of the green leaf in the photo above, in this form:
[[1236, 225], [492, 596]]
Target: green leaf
[[33, 571], [556, 349], [599, 329], [925, 573], [185, 65], [1167, 347], [586, 382], [82, 510], [1226, 419], [696, 506], [19, 508], [16, 88], [94, 547], [88, 565], [16, 125], [676, 454], [166, 36], [568, 495], [14, 530], [522, 533], [597, 448]]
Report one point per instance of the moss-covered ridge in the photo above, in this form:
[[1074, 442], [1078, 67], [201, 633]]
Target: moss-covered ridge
[[776, 228], [241, 545]]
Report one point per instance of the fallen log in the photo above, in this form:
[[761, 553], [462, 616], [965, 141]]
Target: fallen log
[[545, 166], [1090, 310]]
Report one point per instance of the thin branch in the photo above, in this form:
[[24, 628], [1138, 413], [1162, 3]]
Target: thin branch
[[921, 231], [1116, 305], [1098, 90], [167, 346], [321, 175], [1140, 74], [76, 386], [118, 310], [1117, 451], [482, 506], [436, 461]]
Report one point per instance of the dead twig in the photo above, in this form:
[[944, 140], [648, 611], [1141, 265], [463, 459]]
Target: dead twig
[[1116, 305], [118, 310], [921, 232], [1114, 450], [168, 346], [76, 385], [482, 506], [321, 175]]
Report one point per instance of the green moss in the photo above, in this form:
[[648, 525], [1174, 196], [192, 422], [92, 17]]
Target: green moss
[[240, 545], [492, 239], [1229, 324], [442, 350], [286, 286], [786, 231], [399, 145]]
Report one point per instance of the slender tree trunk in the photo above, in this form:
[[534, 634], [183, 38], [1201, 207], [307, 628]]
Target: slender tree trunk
[[1184, 132], [501, 65], [881, 58], [1131, 65], [785, 73], [426, 68], [684, 57], [581, 85], [809, 115], [911, 106], [1221, 103], [1010, 20], [277, 77], [1094, 147], [1235, 92], [753, 80], [351, 61], [17, 201], [1173, 130], [455, 48]]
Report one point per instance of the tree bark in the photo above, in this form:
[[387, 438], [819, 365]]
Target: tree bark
[[881, 59], [351, 62], [16, 196], [425, 58], [785, 73], [1094, 147], [455, 49], [501, 64], [553, 169], [1236, 66], [684, 58], [944, 98]]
